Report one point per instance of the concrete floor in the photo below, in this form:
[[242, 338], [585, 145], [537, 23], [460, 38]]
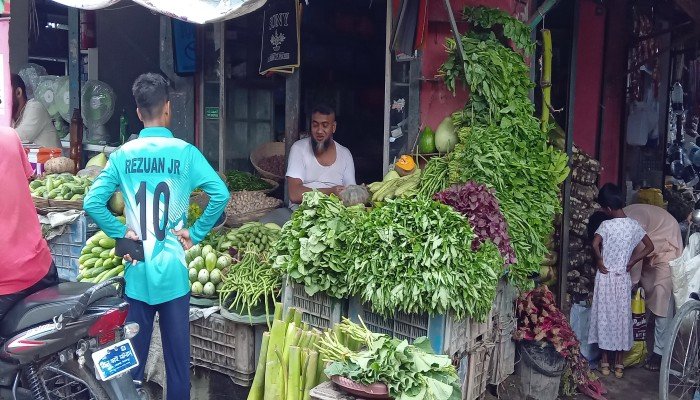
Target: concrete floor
[[637, 384]]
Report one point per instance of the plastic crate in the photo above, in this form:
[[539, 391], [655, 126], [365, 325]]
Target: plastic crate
[[92, 227], [465, 334], [320, 310], [474, 370], [65, 249], [402, 326], [224, 346], [503, 359]]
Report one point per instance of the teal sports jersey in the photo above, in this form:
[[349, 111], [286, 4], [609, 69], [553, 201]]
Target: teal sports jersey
[[156, 174]]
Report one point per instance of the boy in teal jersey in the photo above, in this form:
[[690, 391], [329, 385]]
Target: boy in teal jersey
[[156, 174]]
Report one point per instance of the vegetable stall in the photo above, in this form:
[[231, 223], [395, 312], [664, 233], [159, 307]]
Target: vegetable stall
[[403, 285]]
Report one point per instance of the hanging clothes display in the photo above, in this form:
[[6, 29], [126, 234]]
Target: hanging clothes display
[[643, 119]]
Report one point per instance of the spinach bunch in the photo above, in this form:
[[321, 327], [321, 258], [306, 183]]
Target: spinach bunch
[[511, 28], [526, 180], [501, 143], [411, 372], [317, 244], [416, 256]]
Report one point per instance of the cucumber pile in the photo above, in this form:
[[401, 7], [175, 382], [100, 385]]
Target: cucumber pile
[[61, 187], [98, 261], [252, 234], [207, 268]]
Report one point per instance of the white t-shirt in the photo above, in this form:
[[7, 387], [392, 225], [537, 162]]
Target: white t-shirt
[[303, 165], [35, 126]]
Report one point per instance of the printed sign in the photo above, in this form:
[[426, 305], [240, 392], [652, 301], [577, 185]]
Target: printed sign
[[211, 112], [280, 37]]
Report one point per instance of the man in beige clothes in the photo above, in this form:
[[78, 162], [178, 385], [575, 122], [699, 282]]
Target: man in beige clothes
[[654, 272]]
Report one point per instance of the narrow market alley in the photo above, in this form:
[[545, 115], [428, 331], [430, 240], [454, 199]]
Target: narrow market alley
[[637, 384]]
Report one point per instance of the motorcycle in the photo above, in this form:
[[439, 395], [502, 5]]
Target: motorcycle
[[69, 342]]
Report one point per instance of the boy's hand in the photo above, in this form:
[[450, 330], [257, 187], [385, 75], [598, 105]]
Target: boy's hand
[[183, 235], [133, 236]]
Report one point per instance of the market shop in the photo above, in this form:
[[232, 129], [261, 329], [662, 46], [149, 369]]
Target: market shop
[[386, 258]]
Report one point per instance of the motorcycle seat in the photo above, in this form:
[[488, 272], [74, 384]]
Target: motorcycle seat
[[46, 304]]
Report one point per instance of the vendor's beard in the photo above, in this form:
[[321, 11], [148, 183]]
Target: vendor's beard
[[320, 147]]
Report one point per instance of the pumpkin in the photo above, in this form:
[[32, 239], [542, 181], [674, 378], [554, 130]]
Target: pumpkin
[[59, 165], [354, 194], [405, 165]]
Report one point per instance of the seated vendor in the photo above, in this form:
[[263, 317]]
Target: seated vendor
[[319, 162], [30, 119]]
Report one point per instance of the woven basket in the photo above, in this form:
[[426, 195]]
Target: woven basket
[[235, 221], [267, 150], [57, 205]]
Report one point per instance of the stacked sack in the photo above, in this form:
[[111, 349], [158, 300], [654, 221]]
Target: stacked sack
[[584, 192]]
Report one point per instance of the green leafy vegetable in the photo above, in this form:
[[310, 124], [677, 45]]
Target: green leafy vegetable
[[314, 246], [239, 181], [411, 372], [412, 255], [419, 259], [501, 143], [511, 28]]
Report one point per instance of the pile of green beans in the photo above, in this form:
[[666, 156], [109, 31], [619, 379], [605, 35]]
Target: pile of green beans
[[434, 177], [251, 281]]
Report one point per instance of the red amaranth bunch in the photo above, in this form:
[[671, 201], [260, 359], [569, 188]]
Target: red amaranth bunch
[[539, 320], [480, 206]]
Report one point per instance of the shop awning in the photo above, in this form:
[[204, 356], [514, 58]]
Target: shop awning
[[196, 11]]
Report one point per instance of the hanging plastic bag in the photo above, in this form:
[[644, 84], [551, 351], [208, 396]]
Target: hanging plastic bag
[[638, 353], [579, 317], [685, 271]]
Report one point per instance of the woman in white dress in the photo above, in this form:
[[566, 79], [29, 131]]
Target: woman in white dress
[[614, 248]]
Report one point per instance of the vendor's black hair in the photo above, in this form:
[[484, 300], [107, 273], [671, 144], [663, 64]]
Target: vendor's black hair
[[323, 109], [151, 92], [17, 82], [594, 222], [610, 196]]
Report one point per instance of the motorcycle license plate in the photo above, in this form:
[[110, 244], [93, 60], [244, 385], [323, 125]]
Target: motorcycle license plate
[[115, 360]]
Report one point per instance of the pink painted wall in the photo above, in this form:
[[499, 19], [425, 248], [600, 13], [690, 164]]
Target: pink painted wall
[[436, 102], [614, 86], [589, 76]]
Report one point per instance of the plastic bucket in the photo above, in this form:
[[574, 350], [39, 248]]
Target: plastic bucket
[[39, 156], [540, 371]]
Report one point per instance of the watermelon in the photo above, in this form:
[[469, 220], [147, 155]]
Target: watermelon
[[426, 141]]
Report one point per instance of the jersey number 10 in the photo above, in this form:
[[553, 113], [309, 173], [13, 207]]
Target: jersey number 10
[[162, 189]]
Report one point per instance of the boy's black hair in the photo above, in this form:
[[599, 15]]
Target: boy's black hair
[[17, 82], [594, 222], [610, 196], [151, 92], [323, 109]]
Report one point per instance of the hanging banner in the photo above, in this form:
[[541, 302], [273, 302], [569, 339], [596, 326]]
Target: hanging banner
[[280, 50], [5, 84]]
